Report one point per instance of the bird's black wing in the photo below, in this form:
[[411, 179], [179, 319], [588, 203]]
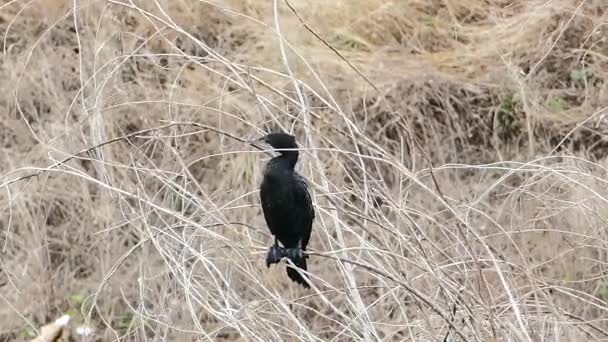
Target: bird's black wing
[[307, 211], [268, 205]]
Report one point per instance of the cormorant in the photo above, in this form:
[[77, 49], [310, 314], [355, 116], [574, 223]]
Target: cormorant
[[286, 204]]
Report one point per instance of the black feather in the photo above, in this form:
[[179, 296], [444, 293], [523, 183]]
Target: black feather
[[286, 202]]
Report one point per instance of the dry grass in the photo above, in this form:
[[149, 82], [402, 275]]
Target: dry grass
[[456, 149]]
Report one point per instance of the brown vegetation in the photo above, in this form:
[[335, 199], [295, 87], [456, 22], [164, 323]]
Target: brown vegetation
[[457, 151]]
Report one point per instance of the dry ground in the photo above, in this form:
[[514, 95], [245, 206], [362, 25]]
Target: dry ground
[[457, 150]]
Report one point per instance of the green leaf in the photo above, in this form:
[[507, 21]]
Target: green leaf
[[556, 104], [604, 292], [129, 320], [77, 299], [428, 20], [27, 333], [580, 75], [350, 41], [73, 312]]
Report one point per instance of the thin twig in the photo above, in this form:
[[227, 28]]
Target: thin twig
[[410, 289]]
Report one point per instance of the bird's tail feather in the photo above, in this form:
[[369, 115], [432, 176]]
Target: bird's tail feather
[[294, 275]]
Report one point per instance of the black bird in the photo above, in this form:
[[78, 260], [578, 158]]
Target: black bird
[[286, 205]]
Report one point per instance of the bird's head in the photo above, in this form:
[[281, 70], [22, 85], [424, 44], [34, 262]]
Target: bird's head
[[280, 143]]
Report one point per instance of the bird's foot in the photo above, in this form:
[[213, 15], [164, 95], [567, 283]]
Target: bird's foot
[[295, 254], [275, 254]]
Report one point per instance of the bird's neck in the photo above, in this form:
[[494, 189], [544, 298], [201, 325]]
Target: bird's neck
[[286, 160]]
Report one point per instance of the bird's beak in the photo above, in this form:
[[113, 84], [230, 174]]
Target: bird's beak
[[262, 145]]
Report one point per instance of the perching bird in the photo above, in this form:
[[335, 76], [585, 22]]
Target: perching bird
[[286, 205]]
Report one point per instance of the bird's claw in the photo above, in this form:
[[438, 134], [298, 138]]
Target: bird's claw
[[295, 254], [275, 254]]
